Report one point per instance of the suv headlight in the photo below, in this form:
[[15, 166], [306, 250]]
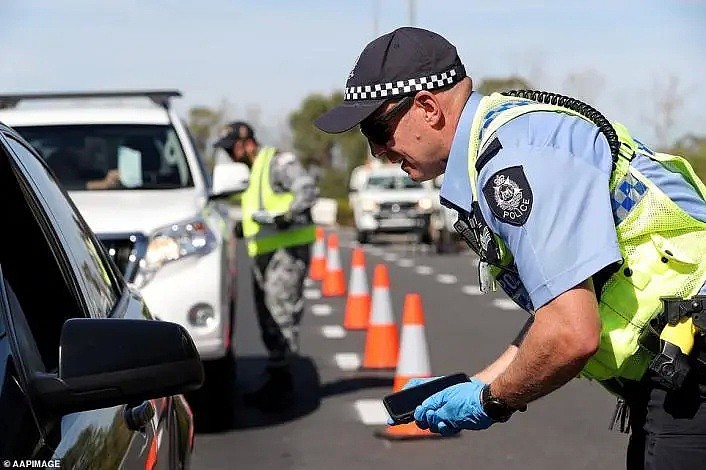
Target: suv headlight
[[167, 244], [425, 204], [369, 205]]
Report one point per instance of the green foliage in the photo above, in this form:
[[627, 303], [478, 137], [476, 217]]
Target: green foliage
[[333, 184], [203, 123], [315, 147], [499, 84], [310, 144], [344, 213]]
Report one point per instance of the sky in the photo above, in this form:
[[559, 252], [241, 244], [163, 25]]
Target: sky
[[262, 57]]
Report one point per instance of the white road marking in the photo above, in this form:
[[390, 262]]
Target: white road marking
[[371, 412], [390, 257], [405, 263], [312, 294], [375, 251], [347, 361], [471, 290], [446, 279], [333, 331], [505, 304], [321, 310], [309, 282], [423, 270]]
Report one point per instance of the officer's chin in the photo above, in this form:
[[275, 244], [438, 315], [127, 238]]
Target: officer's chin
[[419, 176]]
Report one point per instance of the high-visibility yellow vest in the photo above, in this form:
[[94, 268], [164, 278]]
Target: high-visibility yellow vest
[[261, 197], [663, 246]]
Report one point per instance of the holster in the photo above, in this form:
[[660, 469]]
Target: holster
[[674, 310]]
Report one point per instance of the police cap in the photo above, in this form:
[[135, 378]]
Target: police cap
[[400, 63]]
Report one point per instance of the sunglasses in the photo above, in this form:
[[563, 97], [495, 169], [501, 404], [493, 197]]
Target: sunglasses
[[379, 130]]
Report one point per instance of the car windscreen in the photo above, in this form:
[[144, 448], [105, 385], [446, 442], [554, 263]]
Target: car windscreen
[[391, 182], [112, 156]]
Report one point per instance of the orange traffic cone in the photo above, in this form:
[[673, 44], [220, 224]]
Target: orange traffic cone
[[317, 269], [413, 363], [382, 340], [358, 303], [334, 281]]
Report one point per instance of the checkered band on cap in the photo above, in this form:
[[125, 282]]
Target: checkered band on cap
[[403, 87]]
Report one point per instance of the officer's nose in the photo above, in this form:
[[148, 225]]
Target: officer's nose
[[392, 157], [378, 151]]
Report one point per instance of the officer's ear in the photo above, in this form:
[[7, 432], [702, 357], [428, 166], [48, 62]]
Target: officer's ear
[[430, 106]]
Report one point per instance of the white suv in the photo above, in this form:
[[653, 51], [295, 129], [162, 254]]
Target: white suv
[[385, 200], [136, 177]]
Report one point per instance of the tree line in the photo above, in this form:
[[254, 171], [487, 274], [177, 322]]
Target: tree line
[[332, 157]]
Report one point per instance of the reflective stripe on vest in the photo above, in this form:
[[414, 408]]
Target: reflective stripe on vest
[[664, 246], [261, 197]]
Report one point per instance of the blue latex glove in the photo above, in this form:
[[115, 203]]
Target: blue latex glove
[[453, 409], [412, 383]]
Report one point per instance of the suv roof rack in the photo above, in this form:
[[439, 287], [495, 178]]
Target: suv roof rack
[[159, 97]]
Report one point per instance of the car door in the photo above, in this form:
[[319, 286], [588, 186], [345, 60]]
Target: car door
[[96, 438]]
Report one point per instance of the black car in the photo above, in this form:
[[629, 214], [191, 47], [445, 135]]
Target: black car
[[87, 375]]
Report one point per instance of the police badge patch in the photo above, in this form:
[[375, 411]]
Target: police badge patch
[[509, 195]]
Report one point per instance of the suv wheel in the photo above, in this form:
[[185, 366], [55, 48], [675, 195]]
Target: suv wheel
[[445, 243], [425, 237], [363, 237], [214, 402]]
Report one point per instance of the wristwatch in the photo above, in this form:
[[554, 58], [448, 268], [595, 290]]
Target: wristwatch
[[494, 407]]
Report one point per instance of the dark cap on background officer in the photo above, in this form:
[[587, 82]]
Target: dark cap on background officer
[[238, 140]]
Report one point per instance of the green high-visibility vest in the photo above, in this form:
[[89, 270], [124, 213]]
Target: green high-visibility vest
[[261, 197], [655, 230]]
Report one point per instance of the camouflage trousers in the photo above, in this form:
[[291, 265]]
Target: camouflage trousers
[[278, 284]]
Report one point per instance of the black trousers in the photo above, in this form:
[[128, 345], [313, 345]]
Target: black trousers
[[668, 427]]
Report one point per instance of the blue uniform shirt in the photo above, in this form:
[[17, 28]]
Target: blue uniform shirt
[[562, 230]]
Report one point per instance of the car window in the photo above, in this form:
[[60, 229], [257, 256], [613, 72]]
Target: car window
[[115, 156], [45, 291], [98, 280], [392, 182]]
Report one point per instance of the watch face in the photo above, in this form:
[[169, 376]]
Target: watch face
[[497, 410]]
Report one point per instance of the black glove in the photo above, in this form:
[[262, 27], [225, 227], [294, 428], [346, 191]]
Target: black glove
[[283, 221]]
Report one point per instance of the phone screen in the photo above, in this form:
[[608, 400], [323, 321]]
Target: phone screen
[[402, 403]]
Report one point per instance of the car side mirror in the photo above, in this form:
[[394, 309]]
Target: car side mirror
[[108, 362], [229, 178]]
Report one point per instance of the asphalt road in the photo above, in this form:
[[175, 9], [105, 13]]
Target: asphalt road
[[327, 428]]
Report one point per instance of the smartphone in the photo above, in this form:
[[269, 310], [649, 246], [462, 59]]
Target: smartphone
[[400, 405]]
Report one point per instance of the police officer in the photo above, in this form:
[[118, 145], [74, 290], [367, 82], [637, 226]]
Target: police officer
[[279, 231], [582, 225]]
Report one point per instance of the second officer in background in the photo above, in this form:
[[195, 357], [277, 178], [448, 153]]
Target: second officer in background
[[279, 231]]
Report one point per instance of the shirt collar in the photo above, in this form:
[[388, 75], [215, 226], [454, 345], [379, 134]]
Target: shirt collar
[[456, 189]]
